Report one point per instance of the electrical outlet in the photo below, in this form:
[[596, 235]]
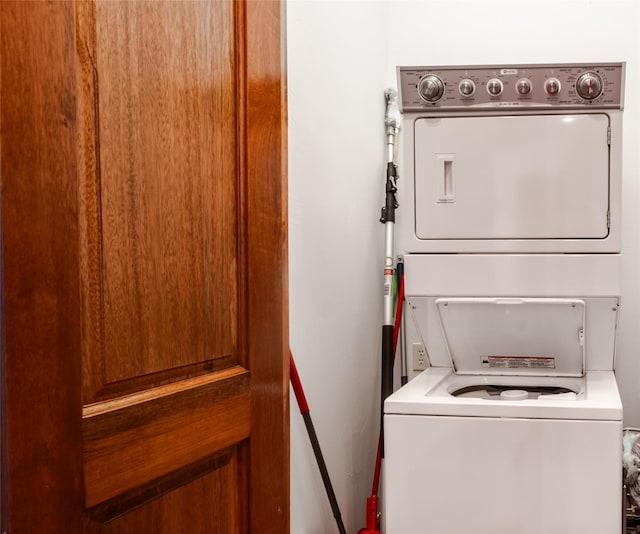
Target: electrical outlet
[[419, 357]]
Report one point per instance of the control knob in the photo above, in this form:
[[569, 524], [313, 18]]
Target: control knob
[[523, 86], [431, 88], [467, 87], [494, 87], [552, 86], [589, 85]]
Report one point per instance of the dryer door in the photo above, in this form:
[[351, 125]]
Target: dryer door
[[512, 177]]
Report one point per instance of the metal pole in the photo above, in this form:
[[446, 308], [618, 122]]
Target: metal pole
[[388, 218]]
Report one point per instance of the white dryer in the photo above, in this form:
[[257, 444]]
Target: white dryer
[[511, 238]]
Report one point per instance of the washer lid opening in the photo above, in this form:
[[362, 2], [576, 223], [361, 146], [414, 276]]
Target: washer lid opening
[[506, 392], [514, 336]]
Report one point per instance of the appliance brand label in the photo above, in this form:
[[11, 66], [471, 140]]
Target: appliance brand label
[[518, 362]]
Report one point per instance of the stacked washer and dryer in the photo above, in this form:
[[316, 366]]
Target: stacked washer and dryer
[[511, 240]]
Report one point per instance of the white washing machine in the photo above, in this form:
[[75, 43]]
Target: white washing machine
[[511, 236]]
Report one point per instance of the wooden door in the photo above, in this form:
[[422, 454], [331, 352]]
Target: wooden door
[[144, 257]]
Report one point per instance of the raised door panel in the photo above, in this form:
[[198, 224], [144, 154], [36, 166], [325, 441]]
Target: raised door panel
[[159, 202], [158, 192]]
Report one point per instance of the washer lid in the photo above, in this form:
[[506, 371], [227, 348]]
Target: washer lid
[[512, 336]]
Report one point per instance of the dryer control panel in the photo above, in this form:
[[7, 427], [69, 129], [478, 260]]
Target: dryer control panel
[[566, 86]]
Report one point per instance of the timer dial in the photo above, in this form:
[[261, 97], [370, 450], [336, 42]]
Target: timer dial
[[431, 88], [589, 85]]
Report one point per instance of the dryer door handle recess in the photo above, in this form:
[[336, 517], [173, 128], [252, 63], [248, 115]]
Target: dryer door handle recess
[[444, 173]]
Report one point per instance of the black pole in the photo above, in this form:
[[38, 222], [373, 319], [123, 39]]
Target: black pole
[[323, 472], [387, 375]]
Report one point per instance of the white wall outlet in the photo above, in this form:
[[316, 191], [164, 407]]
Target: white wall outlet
[[419, 357]]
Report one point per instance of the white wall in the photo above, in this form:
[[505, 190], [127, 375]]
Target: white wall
[[341, 57], [336, 58]]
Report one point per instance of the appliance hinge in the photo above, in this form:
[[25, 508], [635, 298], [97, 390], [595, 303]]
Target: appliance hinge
[[609, 135]]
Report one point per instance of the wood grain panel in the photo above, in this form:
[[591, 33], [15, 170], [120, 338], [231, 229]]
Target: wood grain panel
[[41, 305], [267, 253], [188, 508], [159, 192], [133, 440], [144, 226], [124, 503]]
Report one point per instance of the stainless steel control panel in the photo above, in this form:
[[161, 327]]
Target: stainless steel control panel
[[570, 86]]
